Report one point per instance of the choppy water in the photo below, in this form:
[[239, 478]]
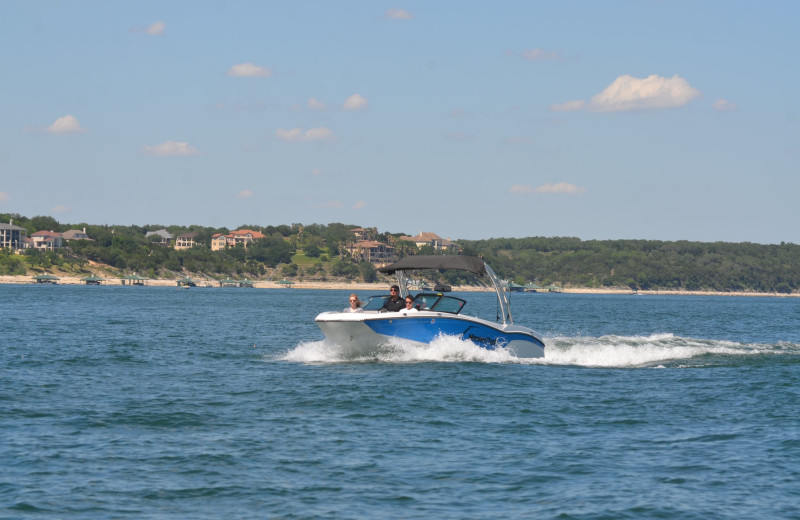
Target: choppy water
[[127, 402]]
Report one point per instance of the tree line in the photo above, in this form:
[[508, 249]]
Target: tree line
[[566, 261]]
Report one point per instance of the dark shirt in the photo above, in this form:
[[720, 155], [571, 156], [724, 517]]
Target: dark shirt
[[394, 305]]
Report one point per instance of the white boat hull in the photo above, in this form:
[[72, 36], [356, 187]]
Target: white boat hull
[[364, 332]]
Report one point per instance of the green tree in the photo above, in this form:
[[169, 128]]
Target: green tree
[[367, 271]]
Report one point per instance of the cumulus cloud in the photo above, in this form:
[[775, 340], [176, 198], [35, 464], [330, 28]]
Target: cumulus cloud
[[170, 148], [629, 93], [4, 196], [356, 102], [65, 125], [723, 105], [316, 172], [60, 209], [244, 194], [399, 14], [249, 70], [360, 205], [559, 188], [316, 104], [154, 29], [541, 55], [297, 135]]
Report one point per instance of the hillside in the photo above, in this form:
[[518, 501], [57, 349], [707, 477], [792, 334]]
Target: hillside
[[315, 253]]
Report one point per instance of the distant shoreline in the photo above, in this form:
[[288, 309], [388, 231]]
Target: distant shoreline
[[382, 287]]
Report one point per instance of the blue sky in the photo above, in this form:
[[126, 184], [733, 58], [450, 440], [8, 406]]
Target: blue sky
[[668, 120]]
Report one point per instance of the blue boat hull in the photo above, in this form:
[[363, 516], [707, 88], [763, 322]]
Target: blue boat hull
[[366, 331]]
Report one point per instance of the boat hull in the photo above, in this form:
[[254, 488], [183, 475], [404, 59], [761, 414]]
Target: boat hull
[[366, 331]]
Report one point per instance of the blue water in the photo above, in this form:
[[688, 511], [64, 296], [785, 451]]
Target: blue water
[[144, 402]]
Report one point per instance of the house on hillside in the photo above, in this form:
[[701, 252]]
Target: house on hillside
[[186, 241], [12, 237], [47, 240], [364, 233], [164, 236], [371, 251], [240, 236], [75, 234], [426, 238], [450, 246]]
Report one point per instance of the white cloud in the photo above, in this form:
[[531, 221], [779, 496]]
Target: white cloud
[[541, 55], [723, 105], [65, 125], [170, 148], [244, 194], [559, 188], [356, 102], [156, 29], [652, 92], [249, 70], [60, 209], [316, 104], [360, 205], [316, 172], [628, 93], [4, 196], [399, 14], [297, 135]]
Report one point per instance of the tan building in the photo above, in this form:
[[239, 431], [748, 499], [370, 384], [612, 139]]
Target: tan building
[[218, 242], [240, 236], [364, 233], [47, 240], [426, 238], [186, 241], [371, 251]]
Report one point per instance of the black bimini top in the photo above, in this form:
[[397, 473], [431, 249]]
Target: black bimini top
[[472, 264]]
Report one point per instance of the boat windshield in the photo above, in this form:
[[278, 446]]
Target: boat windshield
[[439, 303], [436, 302], [374, 303]]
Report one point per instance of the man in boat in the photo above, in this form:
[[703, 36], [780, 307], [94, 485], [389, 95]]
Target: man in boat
[[410, 304], [394, 303]]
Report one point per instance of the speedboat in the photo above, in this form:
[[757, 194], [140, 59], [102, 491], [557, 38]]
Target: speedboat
[[437, 314]]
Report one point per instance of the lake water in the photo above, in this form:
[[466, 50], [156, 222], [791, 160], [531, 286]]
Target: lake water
[[146, 402]]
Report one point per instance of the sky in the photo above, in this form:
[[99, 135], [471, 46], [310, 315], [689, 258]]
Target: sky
[[663, 120]]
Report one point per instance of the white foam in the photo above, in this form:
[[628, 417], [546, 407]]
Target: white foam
[[606, 351], [442, 349], [635, 351]]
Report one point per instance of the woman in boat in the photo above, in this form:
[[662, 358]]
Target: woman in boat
[[355, 304]]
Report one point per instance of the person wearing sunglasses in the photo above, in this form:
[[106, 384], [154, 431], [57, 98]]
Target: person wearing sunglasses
[[355, 304], [393, 303], [410, 305]]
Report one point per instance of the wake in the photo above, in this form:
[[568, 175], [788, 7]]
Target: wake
[[603, 352]]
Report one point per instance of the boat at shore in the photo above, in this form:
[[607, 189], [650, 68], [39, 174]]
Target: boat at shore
[[436, 314]]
